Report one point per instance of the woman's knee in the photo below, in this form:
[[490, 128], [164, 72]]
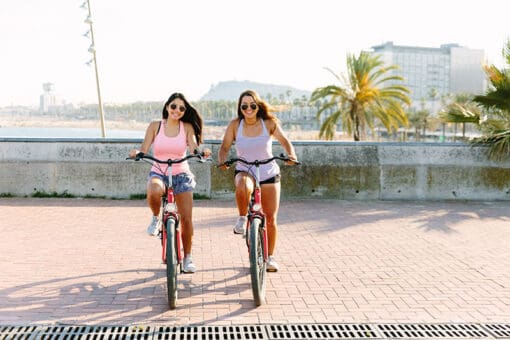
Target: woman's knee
[[243, 190], [271, 221], [154, 189], [243, 181]]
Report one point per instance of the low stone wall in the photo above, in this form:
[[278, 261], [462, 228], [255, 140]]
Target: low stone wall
[[333, 170]]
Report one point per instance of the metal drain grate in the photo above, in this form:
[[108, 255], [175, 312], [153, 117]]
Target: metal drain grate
[[498, 330], [254, 332], [258, 332], [322, 331], [16, 332], [449, 331], [94, 333]]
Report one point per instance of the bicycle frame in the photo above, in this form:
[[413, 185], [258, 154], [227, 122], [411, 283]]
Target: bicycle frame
[[169, 210], [171, 242], [256, 231], [255, 211]]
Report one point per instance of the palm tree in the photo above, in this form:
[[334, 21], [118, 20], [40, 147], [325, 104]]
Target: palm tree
[[420, 120], [361, 97], [496, 102], [494, 122], [461, 109], [498, 96]]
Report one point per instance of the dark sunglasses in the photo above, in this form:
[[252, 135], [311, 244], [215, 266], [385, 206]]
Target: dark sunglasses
[[253, 106], [181, 108]]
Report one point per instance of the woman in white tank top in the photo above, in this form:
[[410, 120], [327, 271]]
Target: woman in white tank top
[[253, 131]]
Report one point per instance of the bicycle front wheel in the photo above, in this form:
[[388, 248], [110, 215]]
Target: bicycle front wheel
[[257, 264], [171, 263]]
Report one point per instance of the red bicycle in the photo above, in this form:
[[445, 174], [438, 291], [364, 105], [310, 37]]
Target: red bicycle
[[171, 242], [256, 231]]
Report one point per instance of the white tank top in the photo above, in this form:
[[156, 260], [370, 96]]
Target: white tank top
[[256, 148]]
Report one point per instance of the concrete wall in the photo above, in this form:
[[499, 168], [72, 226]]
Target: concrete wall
[[336, 170]]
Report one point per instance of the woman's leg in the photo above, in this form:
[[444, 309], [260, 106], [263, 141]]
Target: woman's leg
[[184, 202], [244, 187], [270, 205], [155, 189]]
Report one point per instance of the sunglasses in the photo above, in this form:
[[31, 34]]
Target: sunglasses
[[253, 106], [181, 108]]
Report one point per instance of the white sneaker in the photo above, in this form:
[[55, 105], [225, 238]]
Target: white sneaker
[[188, 266], [155, 226], [272, 265], [240, 225]]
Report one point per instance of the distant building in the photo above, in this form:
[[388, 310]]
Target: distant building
[[49, 101], [449, 69]]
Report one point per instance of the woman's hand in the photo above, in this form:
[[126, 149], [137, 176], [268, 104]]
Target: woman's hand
[[293, 160], [133, 153], [206, 152], [221, 165]]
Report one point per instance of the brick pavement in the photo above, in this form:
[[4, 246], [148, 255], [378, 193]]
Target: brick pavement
[[89, 261]]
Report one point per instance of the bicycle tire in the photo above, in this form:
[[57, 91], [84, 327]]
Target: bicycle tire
[[171, 264], [257, 263]]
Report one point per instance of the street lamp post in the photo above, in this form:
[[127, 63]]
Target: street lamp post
[[92, 49]]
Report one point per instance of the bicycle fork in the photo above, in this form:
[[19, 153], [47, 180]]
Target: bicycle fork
[[255, 212], [170, 212]]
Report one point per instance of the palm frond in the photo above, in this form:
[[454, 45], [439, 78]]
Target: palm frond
[[457, 113], [498, 99], [499, 145], [328, 128]]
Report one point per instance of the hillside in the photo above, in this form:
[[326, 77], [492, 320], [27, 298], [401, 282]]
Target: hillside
[[230, 90]]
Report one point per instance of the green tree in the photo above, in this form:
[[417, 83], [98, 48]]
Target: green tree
[[369, 91], [494, 119], [462, 110], [496, 102], [420, 121]]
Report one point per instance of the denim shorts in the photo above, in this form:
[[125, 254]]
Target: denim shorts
[[182, 182]]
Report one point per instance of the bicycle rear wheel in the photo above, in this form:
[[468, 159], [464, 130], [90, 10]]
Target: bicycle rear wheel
[[257, 264], [171, 263]]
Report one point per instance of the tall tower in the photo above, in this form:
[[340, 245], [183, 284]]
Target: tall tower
[[48, 99]]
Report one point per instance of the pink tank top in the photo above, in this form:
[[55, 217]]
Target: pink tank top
[[256, 148], [170, 148]]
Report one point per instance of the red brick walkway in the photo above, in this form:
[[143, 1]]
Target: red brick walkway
[[89, 261]]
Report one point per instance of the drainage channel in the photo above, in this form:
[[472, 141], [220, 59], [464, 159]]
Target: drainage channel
[[326, 331]]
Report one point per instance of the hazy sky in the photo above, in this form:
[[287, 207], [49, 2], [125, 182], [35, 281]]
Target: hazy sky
[[148, 49]]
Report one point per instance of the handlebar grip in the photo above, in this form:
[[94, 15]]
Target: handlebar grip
[[139, 156], [226, 163]]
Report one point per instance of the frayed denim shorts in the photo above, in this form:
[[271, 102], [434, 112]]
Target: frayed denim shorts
[[182, 182]]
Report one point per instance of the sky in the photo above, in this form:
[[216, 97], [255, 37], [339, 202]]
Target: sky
[[148, 49]]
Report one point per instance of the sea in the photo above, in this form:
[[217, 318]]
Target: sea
[[41, 132]]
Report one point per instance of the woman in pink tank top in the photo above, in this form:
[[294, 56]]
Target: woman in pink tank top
[[179, 131], [253, 131]]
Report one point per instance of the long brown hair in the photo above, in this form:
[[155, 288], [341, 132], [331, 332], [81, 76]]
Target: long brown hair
[[191, 115], [265, 110]]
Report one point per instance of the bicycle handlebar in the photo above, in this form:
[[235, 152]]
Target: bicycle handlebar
[[257, 162], [142, 155]]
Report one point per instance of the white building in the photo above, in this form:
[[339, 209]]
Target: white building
[[48, 101], [449, 69]]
